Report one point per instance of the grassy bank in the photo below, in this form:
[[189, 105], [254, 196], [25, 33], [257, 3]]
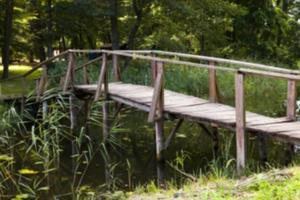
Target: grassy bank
[[18, 86], [275, 184]]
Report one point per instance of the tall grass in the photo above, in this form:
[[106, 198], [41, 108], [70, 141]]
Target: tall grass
[[33, 151]]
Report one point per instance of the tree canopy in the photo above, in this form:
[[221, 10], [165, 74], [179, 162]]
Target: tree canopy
[[265, 30]]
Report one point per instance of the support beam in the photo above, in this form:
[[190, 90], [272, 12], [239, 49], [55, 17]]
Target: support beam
[[156, 116], [291, 100], [73, 120], [159, 138], [240, 122], [105, 133]]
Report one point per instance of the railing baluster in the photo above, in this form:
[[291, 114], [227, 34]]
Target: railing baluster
[[158, 94], [153, 71], [240, 122], [291, 100], [213, 88], [42, 83], [70, 72], [116, 68], [102, 79]]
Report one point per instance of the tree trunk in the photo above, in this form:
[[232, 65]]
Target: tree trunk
[[114, 24], [49, 29], [7, 36], [202, 44], [135, 27]]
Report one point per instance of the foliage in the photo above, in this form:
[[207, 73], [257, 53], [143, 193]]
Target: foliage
[[260, 30], [275, 184]]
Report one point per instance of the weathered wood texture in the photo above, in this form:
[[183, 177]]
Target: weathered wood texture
[[199, 110], [240, 122], [213, 88], [157, 105], [42, 84], [291, 100], [102, 79], [116, 68], [70, 72]]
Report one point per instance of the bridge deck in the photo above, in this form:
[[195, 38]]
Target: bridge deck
[[196, 109]]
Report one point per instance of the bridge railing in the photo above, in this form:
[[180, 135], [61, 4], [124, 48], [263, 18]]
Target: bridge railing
[[239, 68]]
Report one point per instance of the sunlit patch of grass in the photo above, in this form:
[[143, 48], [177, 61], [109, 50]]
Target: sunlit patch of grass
[[16, 70], [20, 86]]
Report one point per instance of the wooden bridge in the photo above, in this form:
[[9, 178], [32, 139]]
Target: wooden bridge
[[162, 104]]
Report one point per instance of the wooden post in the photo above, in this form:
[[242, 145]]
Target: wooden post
[[105, 132], [157, 109], [70, 72], [291, 100], [42, 83], [102, 79], [72, 112], [72, 116], [158, 94], [116, 68], [240, 122], [214, 98], [213, 88], [153, 72]]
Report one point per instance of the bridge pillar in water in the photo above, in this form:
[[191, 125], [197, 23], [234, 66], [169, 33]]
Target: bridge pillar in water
[[156, 116]]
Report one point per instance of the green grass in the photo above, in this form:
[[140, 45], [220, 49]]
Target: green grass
[[20, 86], [275, 184], [17, 70]]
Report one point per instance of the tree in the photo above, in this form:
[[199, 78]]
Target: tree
[[9, 5], [114, 24]]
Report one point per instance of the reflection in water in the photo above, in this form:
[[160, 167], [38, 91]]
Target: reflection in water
[[191, 151]]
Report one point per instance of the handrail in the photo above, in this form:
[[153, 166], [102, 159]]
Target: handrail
[[215, 59], [259, 69], [36, 67], [134, 56], [79, 67]]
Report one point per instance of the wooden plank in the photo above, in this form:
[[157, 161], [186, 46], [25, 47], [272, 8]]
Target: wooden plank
[[213, 91], [291, 100], [102, 79], [184, 108], [240, 122]]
